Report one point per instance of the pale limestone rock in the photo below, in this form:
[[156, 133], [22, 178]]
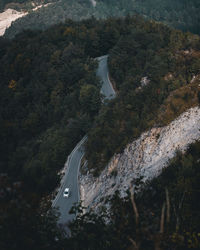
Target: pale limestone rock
[[10, 15], [144, 81], [144, 157], [93, 2], [7, 17]]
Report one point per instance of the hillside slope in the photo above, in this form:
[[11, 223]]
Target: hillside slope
[[50, 98], [176, 13], [143, 159], [156, 71], [7, 17], [163, 215]]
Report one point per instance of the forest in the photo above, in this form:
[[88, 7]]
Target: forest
[[164, 215], [22, 4], [169, 60], [50, 97], [3, 3], [180, 14]]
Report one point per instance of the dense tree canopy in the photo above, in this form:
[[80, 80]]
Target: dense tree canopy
[[180, 14], [50, 97], [167, 215], [24, 223], [4, 2], [22, 4], [151, 67]]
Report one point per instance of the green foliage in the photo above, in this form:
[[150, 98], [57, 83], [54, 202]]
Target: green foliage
[[89, 231], [27, 5], [168, 60], [177, 189], [4, 2], [89, 99], [49, 97], [180, 14], [24, 224]]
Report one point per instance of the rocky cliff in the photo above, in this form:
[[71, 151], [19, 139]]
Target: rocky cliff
[[144, 158], [7, 17]]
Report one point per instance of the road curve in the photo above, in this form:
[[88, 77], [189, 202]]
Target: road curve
[[102, 72], [70, 178]]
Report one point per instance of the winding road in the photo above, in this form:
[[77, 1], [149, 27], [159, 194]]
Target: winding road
[[70, 178], [102, 72]]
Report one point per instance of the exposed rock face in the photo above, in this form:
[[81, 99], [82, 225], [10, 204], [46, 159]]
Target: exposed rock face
[[144, 157], [7, 17], [93, 2], [10, 15]]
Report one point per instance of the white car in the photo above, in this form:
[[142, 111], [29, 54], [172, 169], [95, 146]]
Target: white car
[[66, 192]]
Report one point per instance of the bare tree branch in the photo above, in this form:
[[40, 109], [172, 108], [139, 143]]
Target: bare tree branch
[[162, 219], [168, 205], [133, 243], [179, 208], [134, 207]]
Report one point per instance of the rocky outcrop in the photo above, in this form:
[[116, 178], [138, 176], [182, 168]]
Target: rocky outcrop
[[143, 158], [11, 15], [7, 17], [93, 2]]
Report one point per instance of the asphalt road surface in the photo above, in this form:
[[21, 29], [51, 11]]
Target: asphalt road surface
[[70, 179], [102, 72]]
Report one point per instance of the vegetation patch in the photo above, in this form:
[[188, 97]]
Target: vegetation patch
[[180, 14], [170, 60], [164, 215]]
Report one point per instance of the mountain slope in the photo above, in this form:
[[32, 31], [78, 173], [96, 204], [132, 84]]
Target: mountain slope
[[174, 13], [164, 215], [50, 98], [156, 73], [22, 4], [47, 81], [143, 159]]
